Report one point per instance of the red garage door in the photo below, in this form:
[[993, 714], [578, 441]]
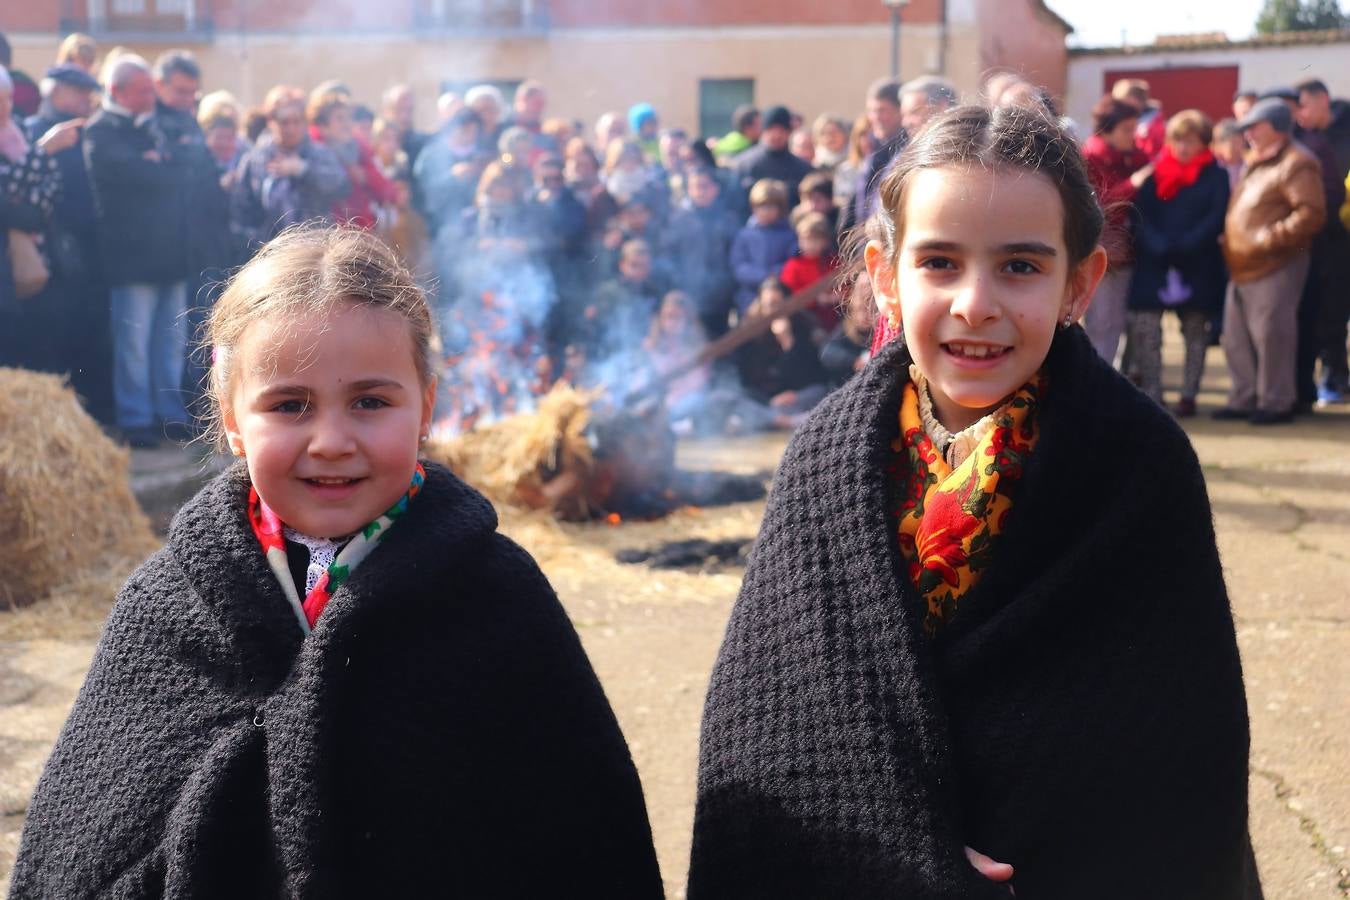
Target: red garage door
[[1209, 89]]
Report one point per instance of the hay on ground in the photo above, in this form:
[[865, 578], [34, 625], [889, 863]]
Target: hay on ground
[[538, 460], [70, 528]]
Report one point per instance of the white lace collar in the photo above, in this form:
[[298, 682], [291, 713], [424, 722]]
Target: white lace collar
[[322, 552]]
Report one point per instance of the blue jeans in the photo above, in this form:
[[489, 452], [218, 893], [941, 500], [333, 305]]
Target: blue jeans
[[149, 332]]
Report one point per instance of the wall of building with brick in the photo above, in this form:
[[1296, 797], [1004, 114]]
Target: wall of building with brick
[[593, 68]]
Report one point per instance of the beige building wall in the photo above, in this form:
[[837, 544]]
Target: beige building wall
[[812, 69]]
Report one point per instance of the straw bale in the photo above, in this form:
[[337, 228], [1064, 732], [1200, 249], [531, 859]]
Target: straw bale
[[513, 460], [70, 528]]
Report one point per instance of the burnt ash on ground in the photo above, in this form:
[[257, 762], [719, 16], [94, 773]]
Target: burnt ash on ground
[[697, 554]]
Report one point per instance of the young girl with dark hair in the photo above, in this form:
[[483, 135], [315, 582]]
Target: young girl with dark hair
[[983, 643]]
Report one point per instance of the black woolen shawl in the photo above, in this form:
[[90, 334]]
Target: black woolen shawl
[[440, 733], [1082, 717]]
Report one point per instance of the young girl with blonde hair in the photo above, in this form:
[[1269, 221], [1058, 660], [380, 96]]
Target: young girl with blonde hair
[[337, 679], [983, 642]]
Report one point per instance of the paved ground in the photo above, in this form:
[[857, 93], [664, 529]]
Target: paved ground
[[1282, 510]]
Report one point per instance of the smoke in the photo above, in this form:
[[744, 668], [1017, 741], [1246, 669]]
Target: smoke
[[493, 308]]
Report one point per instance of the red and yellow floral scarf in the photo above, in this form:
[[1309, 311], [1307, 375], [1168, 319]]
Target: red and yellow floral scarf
[[949, 517], [270, 532]]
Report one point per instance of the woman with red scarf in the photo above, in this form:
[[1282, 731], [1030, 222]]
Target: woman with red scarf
[[1178, 263]]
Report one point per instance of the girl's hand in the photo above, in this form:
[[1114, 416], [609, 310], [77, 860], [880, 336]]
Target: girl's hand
[[994, 871]]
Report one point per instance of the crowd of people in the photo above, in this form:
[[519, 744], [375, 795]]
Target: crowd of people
[[1239, 228], [617, 253]]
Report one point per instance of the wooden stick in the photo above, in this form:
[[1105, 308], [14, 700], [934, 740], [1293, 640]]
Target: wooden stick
[[748, 329]]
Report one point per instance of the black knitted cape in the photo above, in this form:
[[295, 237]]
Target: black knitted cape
[[439, 734], [1082, 717]]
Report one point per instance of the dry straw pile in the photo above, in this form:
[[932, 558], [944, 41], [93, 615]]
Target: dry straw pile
[[70, 528], [517, 460]]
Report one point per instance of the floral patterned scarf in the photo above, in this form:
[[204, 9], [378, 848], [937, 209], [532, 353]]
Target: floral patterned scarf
[[270, 531], [949, 517]]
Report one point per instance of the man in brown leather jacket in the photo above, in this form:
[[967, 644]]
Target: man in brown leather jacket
[[1276, 210]]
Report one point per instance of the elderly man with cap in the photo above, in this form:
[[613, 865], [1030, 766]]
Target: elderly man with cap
[[72, 314], [1316, 143], [771, 157], [68, 95], [1276, 210]]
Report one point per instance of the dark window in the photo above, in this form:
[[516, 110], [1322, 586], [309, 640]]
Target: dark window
[[718, 99]]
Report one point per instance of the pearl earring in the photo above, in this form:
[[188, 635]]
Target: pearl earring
[[424, 438]]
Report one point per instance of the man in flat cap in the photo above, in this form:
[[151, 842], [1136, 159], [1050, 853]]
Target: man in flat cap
[[1327, 269], [1277, 209], [73, 311]]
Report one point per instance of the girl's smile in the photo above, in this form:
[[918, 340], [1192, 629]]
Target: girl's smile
[[973, 355], [333, 488]]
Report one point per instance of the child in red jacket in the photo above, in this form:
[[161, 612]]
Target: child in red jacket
[[814, 262]]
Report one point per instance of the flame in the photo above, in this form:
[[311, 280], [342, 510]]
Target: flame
[[499, 372]]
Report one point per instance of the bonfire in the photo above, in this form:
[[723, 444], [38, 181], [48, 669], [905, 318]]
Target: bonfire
[[604, 453], [572, 456]]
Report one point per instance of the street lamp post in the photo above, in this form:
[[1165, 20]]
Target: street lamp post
[[895, 6]]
